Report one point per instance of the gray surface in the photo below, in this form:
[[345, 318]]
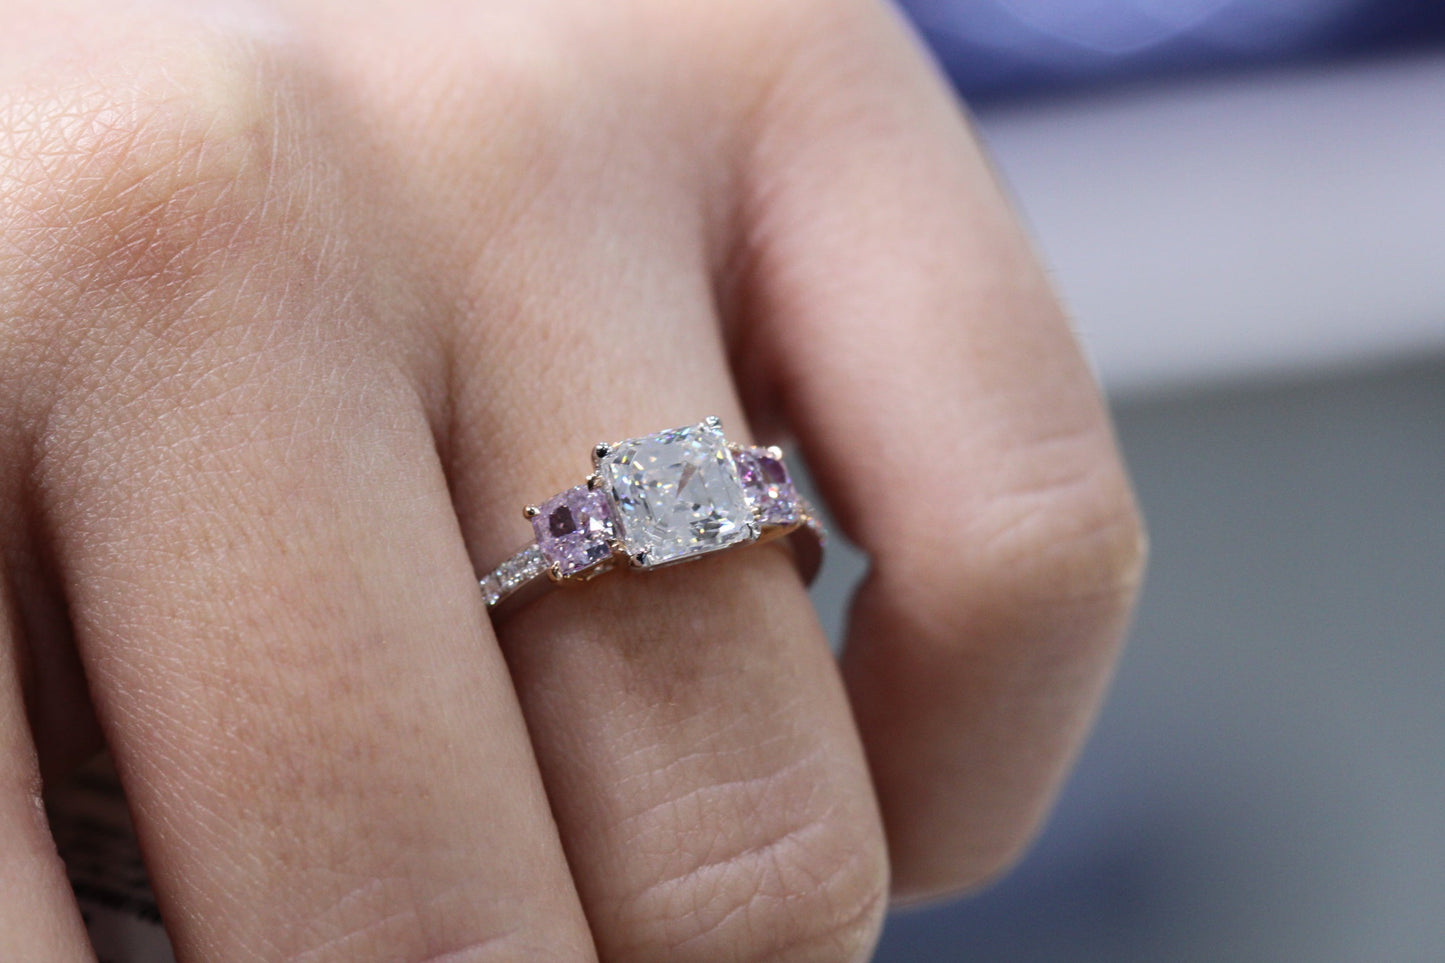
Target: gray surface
[[1257, 223], [1267, 781]]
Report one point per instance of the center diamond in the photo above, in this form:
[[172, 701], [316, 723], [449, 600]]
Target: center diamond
[[676, 494]]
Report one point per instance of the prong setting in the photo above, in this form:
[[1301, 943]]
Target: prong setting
[[654, 501]]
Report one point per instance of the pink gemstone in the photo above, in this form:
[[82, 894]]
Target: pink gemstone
[[573, 529], [767, 486]]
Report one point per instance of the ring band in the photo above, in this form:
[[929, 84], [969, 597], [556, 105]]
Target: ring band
[[658, 500]]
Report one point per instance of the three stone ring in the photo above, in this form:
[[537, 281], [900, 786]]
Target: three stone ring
[[658, 500]]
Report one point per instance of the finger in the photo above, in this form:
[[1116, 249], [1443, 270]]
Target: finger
[[690, 723], [274, 607], [957, 433], [39, 919]]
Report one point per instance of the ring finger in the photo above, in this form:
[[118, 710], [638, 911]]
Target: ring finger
[[690, 723]]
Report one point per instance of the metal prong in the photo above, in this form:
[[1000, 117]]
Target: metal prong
[[775, 452], [601, 450], [531, 511], [594, 481], [713, 421], [638, 561]]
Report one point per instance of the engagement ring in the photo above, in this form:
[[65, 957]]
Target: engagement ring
[[659, 500]]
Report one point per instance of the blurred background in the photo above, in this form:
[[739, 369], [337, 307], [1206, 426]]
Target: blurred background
[[1243, 204]]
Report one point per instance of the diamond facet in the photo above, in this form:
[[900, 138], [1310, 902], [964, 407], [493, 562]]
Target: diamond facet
[[769, 489], [522, 567], [491, 589], [676, 494], [573, 530]]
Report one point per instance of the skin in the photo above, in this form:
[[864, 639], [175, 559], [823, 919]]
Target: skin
[[300, 302]]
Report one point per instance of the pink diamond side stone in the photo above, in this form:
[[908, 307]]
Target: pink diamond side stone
[[767, 486], [573, 529]]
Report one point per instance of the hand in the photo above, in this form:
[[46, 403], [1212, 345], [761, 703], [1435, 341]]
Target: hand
[[299, 304]]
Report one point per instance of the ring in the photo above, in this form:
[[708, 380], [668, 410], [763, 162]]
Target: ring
[[658, 500]]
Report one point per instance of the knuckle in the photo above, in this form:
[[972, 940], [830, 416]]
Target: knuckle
[[1059, 531], [383, 918], [120, 180], [808, 42], [522, 85], [1072, 532], [814, 887]]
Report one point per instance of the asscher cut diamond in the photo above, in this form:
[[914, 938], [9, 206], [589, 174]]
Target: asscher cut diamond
[[676, 494]]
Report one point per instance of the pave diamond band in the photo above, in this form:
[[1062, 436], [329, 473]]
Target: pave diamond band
[[658, 500]]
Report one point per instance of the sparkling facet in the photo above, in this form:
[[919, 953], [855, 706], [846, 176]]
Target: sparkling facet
[[573, 530], [768, 488], [676, 494], [522, 567], [491, 590]]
